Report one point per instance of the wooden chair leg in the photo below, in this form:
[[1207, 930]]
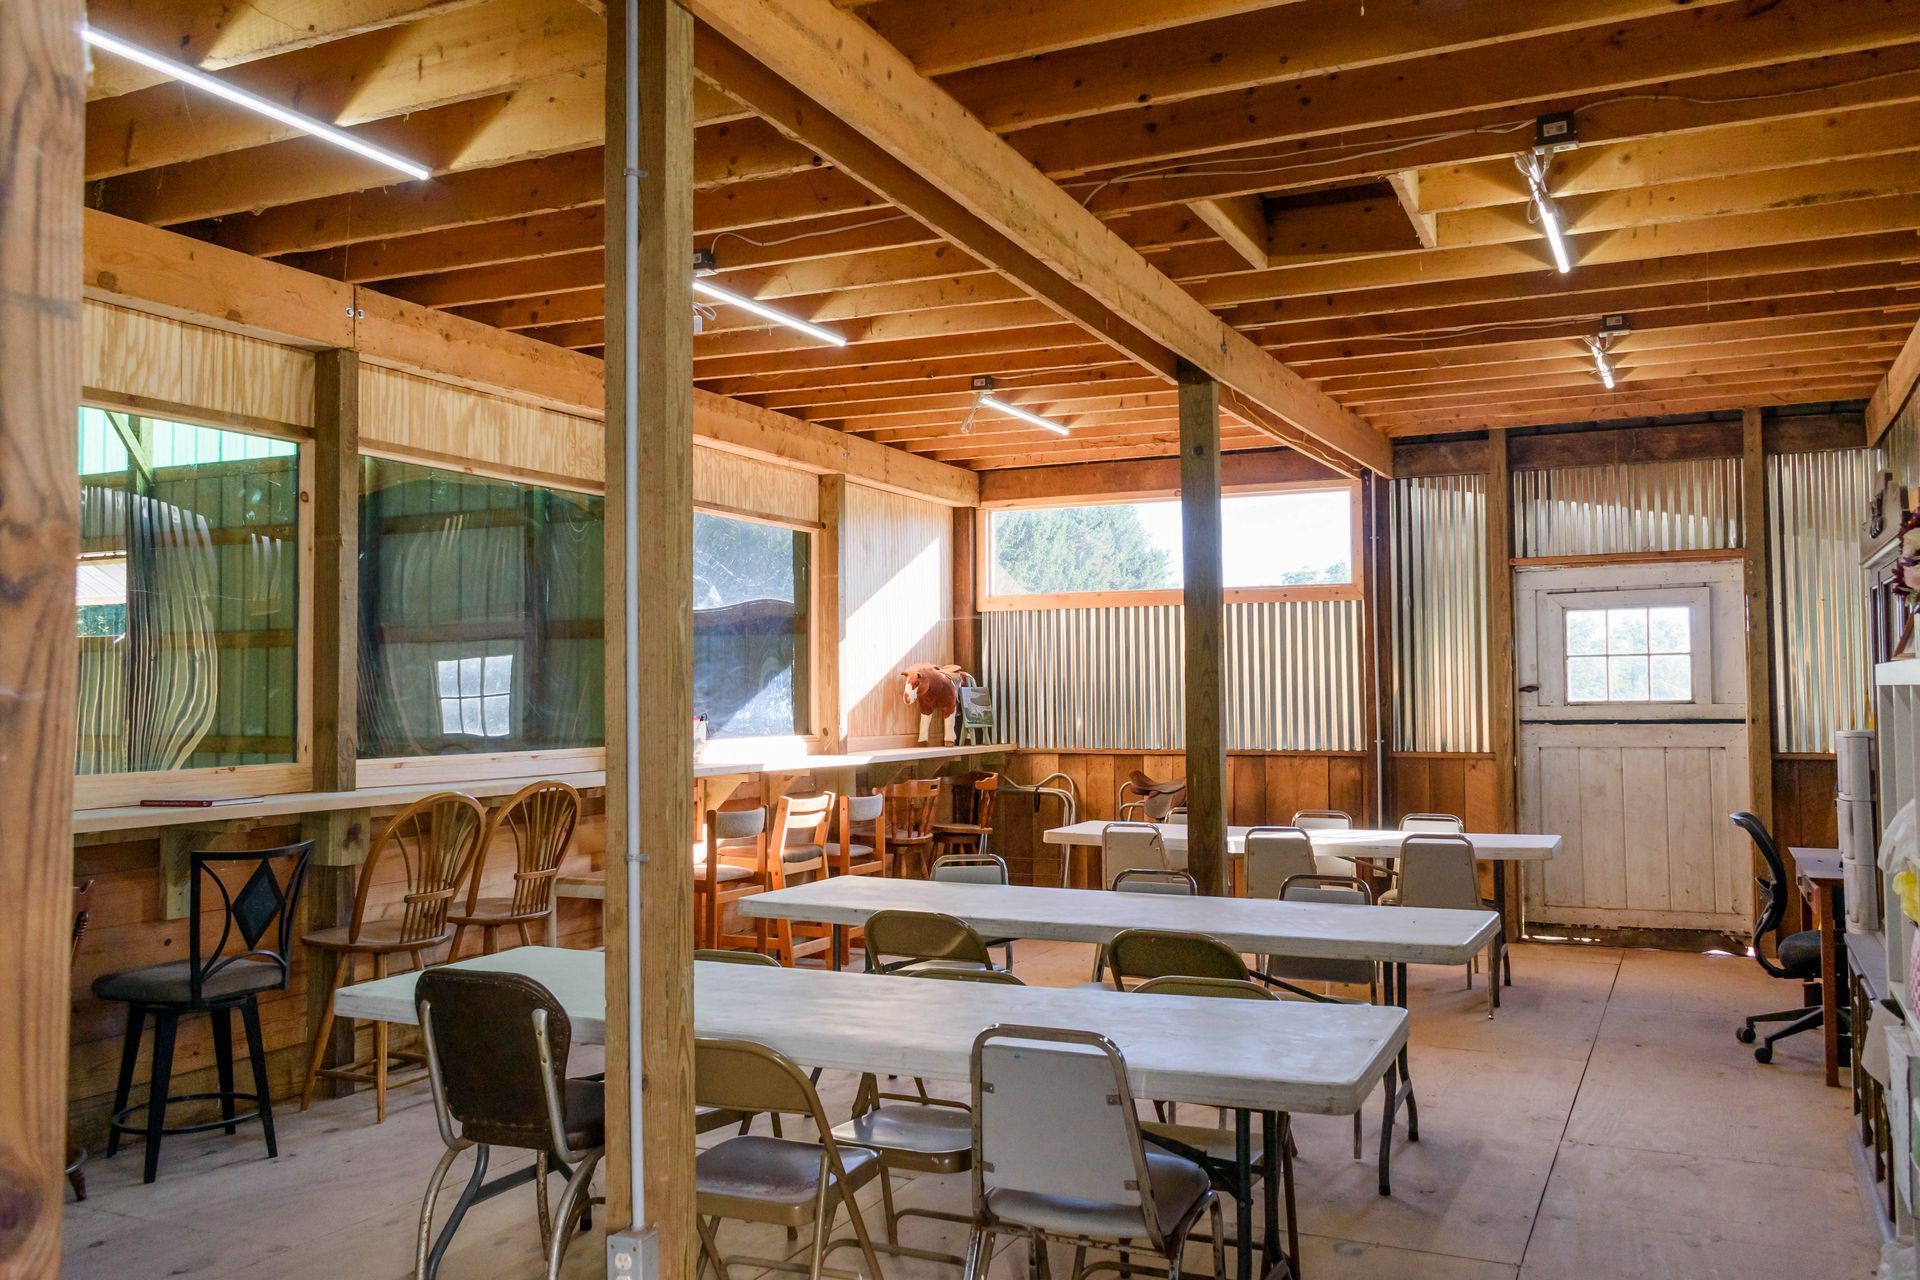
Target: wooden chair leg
[[380, 1052], [526, 939], [342, 976], [453, 952]]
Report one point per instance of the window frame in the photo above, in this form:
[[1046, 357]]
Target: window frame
[[219, 782], [1696, 599], [990, 602]]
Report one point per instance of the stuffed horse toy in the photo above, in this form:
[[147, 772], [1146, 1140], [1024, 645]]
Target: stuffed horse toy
[[935, 691]]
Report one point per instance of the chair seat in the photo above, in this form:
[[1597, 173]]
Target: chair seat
[[923, 966], [172, 983], [856, 851], [1179, 1186], [495, 911], [586, 1111], [1800, 954], [959, 829], [1216, 1144], [375, 936], [765, 1179], [707, 1119], [725, 873], [918, 1136]]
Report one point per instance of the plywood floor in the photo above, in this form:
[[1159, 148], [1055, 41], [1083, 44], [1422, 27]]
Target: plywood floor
[[1605, 1126]]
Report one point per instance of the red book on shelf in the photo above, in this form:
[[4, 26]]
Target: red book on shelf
[[210, 803]]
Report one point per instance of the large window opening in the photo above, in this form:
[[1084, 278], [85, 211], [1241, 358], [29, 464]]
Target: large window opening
[[187, 595], [1270, 542], [752, 589]]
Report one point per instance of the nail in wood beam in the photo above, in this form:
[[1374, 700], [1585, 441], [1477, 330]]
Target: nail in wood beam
[[1205, 605], [649, 577]]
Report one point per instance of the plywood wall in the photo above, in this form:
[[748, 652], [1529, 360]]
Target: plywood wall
[[896, 573], [166, 363], [442, 424]]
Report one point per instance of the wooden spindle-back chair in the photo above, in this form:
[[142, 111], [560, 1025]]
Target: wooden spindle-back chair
[[799, 847], [910, 813], [436, 840], [539, 821]]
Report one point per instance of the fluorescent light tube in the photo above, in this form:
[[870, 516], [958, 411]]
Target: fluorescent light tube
[[1601, 365], [1015, 411], [1550, 222], [731, 298], [253, 102]]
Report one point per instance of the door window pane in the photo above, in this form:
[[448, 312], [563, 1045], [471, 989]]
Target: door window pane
[[1629, 655], [187, 595], [480, 614]]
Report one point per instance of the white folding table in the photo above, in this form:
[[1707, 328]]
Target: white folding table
[[1379, 844], [1253, 1057]]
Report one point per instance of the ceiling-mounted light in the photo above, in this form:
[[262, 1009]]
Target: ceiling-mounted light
[[253, 102], [1611, 327], [983, 398], [1534, 168], [703, 265]]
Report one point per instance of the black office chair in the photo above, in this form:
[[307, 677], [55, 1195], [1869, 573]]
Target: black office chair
[[1796, 955]]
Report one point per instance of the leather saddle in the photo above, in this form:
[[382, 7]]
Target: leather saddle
[[1158, 798]]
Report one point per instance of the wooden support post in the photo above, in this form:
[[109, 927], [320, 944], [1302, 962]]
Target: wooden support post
[[1502, 728], [828, 625], [966, 573], [1205, 630], [1753, 513], [340, 838], [649, 687], [42, 91], [1378, 585]]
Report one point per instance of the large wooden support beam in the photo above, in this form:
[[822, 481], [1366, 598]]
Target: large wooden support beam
[[827, 624], [1753, 515], [861, 103], [1205, 606], [42, 84], [1895, 389], [649, 582], [1502, 724]]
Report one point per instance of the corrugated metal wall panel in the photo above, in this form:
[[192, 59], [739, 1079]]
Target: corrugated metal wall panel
[[1820, 677], [1439, 591], [1653, 506], [1112, 679]]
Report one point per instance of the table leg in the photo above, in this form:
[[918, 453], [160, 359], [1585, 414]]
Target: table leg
[[1826, 913], [1496, 956], [1278, 1154], [1390, 1089], [839, 940]]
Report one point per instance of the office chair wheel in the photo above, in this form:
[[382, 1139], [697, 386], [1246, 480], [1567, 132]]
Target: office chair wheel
[[1763, 1054], [1745, 1035]]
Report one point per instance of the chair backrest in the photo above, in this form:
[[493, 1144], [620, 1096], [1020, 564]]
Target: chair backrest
[[1323, 820], [1273, 855], [539, 819], [1179, 884], [749, 1078], [1774, 887], [1053, 1116], [1131, 846], [82, 914], [802, 820], [969, 868], [1175, 984], [974, 794], [716, 955], [737, 830], [1438, 871], [436, 840], [910, 808], [911, 936], [1141, 954], [260, 910], [497, 1047], [992, 977], [1434, 823], [1335, 890]]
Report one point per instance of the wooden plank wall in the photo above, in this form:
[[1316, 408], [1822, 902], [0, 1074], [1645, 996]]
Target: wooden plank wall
[[129, 928], [896, 567]]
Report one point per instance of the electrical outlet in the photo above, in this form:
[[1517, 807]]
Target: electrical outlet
[[633, 1257]]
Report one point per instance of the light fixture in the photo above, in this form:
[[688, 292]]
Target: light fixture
[[1534, 167], [983, 398], [1611, 327], [253, 102], [703, 265]]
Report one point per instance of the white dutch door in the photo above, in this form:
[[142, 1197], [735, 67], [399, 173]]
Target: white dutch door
[[1633, 743]]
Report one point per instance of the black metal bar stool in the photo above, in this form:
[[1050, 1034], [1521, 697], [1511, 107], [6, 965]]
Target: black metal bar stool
[[215, 981]]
